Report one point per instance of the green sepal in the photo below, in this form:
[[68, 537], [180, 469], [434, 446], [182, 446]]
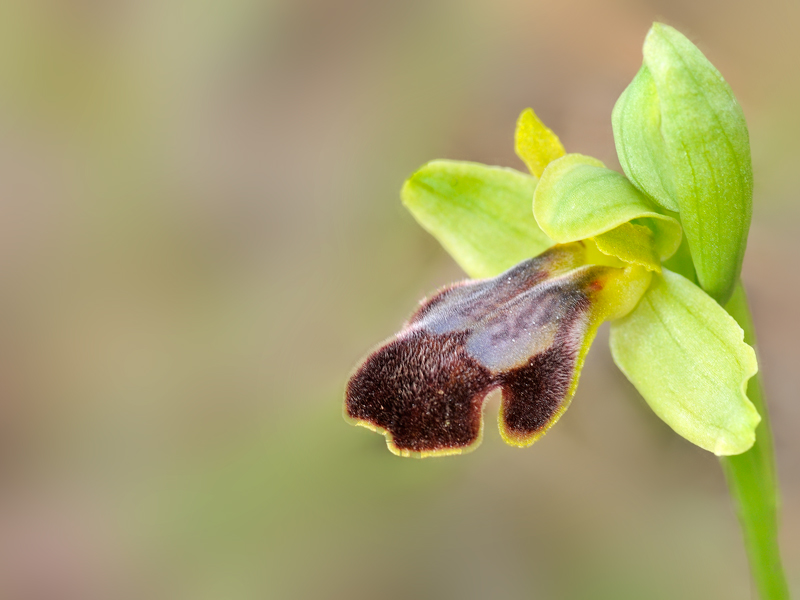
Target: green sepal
[[687, 358], [682, 138], [578, 198], [535, 143], [480, 214]]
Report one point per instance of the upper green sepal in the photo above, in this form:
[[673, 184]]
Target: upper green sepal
[[578, 198], [480, 214], [681, 138], [687, 358]]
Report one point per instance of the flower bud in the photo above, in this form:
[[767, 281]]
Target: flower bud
[[682, 139]]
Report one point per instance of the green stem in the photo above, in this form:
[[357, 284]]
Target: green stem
[[753, 483]]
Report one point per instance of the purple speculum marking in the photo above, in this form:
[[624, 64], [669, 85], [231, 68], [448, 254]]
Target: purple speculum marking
[[521, 331]]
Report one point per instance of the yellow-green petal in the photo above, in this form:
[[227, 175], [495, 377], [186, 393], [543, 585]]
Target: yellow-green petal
[[687, 358], [480, 214], [578, 198], [535, 143], [632, 244]]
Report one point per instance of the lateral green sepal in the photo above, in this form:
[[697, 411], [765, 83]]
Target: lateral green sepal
[[578, 197], [480, 214], [687, 358]]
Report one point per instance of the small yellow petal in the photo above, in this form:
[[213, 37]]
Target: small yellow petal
[[535, 143]]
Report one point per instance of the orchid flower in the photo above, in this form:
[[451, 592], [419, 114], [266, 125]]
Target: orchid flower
[[598, 240], [556, 252]]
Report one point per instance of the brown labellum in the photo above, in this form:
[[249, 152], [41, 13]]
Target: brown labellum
[[524, 331]]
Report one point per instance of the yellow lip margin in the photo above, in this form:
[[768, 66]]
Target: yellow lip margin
[[423, 453]]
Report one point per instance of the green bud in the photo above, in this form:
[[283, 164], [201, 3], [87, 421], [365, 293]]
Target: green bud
[[682, 139]]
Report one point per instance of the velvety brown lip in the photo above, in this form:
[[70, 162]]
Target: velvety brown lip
[[426, 386], [423, 389]]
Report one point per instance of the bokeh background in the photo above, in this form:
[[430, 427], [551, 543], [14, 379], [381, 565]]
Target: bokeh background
[[201, 234]]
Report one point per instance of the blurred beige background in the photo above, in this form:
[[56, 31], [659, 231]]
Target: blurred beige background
[[200, 235]]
